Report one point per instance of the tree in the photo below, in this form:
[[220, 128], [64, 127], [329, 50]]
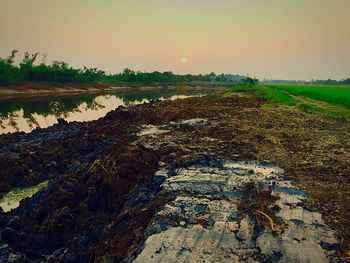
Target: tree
[[250, 82], [10, 60], [345, 81], [8, 71]]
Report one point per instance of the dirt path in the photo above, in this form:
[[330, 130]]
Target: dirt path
[[323, 106]]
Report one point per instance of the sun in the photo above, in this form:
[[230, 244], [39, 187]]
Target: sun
[[184, 61]]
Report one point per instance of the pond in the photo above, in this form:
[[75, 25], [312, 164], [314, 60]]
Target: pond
[[27, 113]]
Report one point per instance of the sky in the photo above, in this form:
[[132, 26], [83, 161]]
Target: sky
[[269, 39]]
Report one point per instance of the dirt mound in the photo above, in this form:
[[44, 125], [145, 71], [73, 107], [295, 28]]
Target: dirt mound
[[94, 210]]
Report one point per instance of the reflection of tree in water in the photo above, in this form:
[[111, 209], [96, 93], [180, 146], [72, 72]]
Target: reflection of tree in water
[[6, 108], [2, 125], [56, 107], [138, 96], [45, 106], [9, 110], [95, 106], [12, 117], [32, 122], [61, 107]]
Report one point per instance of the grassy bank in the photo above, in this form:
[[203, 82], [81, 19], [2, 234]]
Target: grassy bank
[[330, 100]]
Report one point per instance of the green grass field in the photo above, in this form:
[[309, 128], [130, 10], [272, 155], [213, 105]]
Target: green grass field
[[335, 95], [332, 100]]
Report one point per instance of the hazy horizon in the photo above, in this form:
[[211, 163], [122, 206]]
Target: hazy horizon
[[273, 39]]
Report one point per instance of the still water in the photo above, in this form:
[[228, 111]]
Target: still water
[[12, 199], [27, 113]]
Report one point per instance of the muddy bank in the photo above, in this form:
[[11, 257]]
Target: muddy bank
[[37, 88], [27, 159], [45, 89], [120, 184]]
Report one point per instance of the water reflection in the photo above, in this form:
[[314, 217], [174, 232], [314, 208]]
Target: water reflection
[[12, 199], [26, 114]]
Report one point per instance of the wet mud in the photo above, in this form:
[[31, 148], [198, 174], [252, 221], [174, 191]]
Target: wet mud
[[231, 211], [216, 216], [169, 182]]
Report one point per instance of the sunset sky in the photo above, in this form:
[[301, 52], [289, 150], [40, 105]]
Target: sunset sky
[[280, 39]]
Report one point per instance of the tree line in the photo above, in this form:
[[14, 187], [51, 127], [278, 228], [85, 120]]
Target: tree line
[[29, 70], [131, 76], [312, 82], [331, 82]]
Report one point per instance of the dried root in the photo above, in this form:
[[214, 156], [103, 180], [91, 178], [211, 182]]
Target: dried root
[[97, 163], [274, 228]]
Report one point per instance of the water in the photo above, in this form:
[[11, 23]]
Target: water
[[11, 199], [27, 113]]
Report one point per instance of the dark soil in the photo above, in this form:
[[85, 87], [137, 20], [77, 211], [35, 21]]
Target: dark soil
[[102, 192]]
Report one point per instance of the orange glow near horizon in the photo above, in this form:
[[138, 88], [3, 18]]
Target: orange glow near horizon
[[184, 61], [269, 39]]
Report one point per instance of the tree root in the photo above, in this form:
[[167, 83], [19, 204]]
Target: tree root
[[274, 228]]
